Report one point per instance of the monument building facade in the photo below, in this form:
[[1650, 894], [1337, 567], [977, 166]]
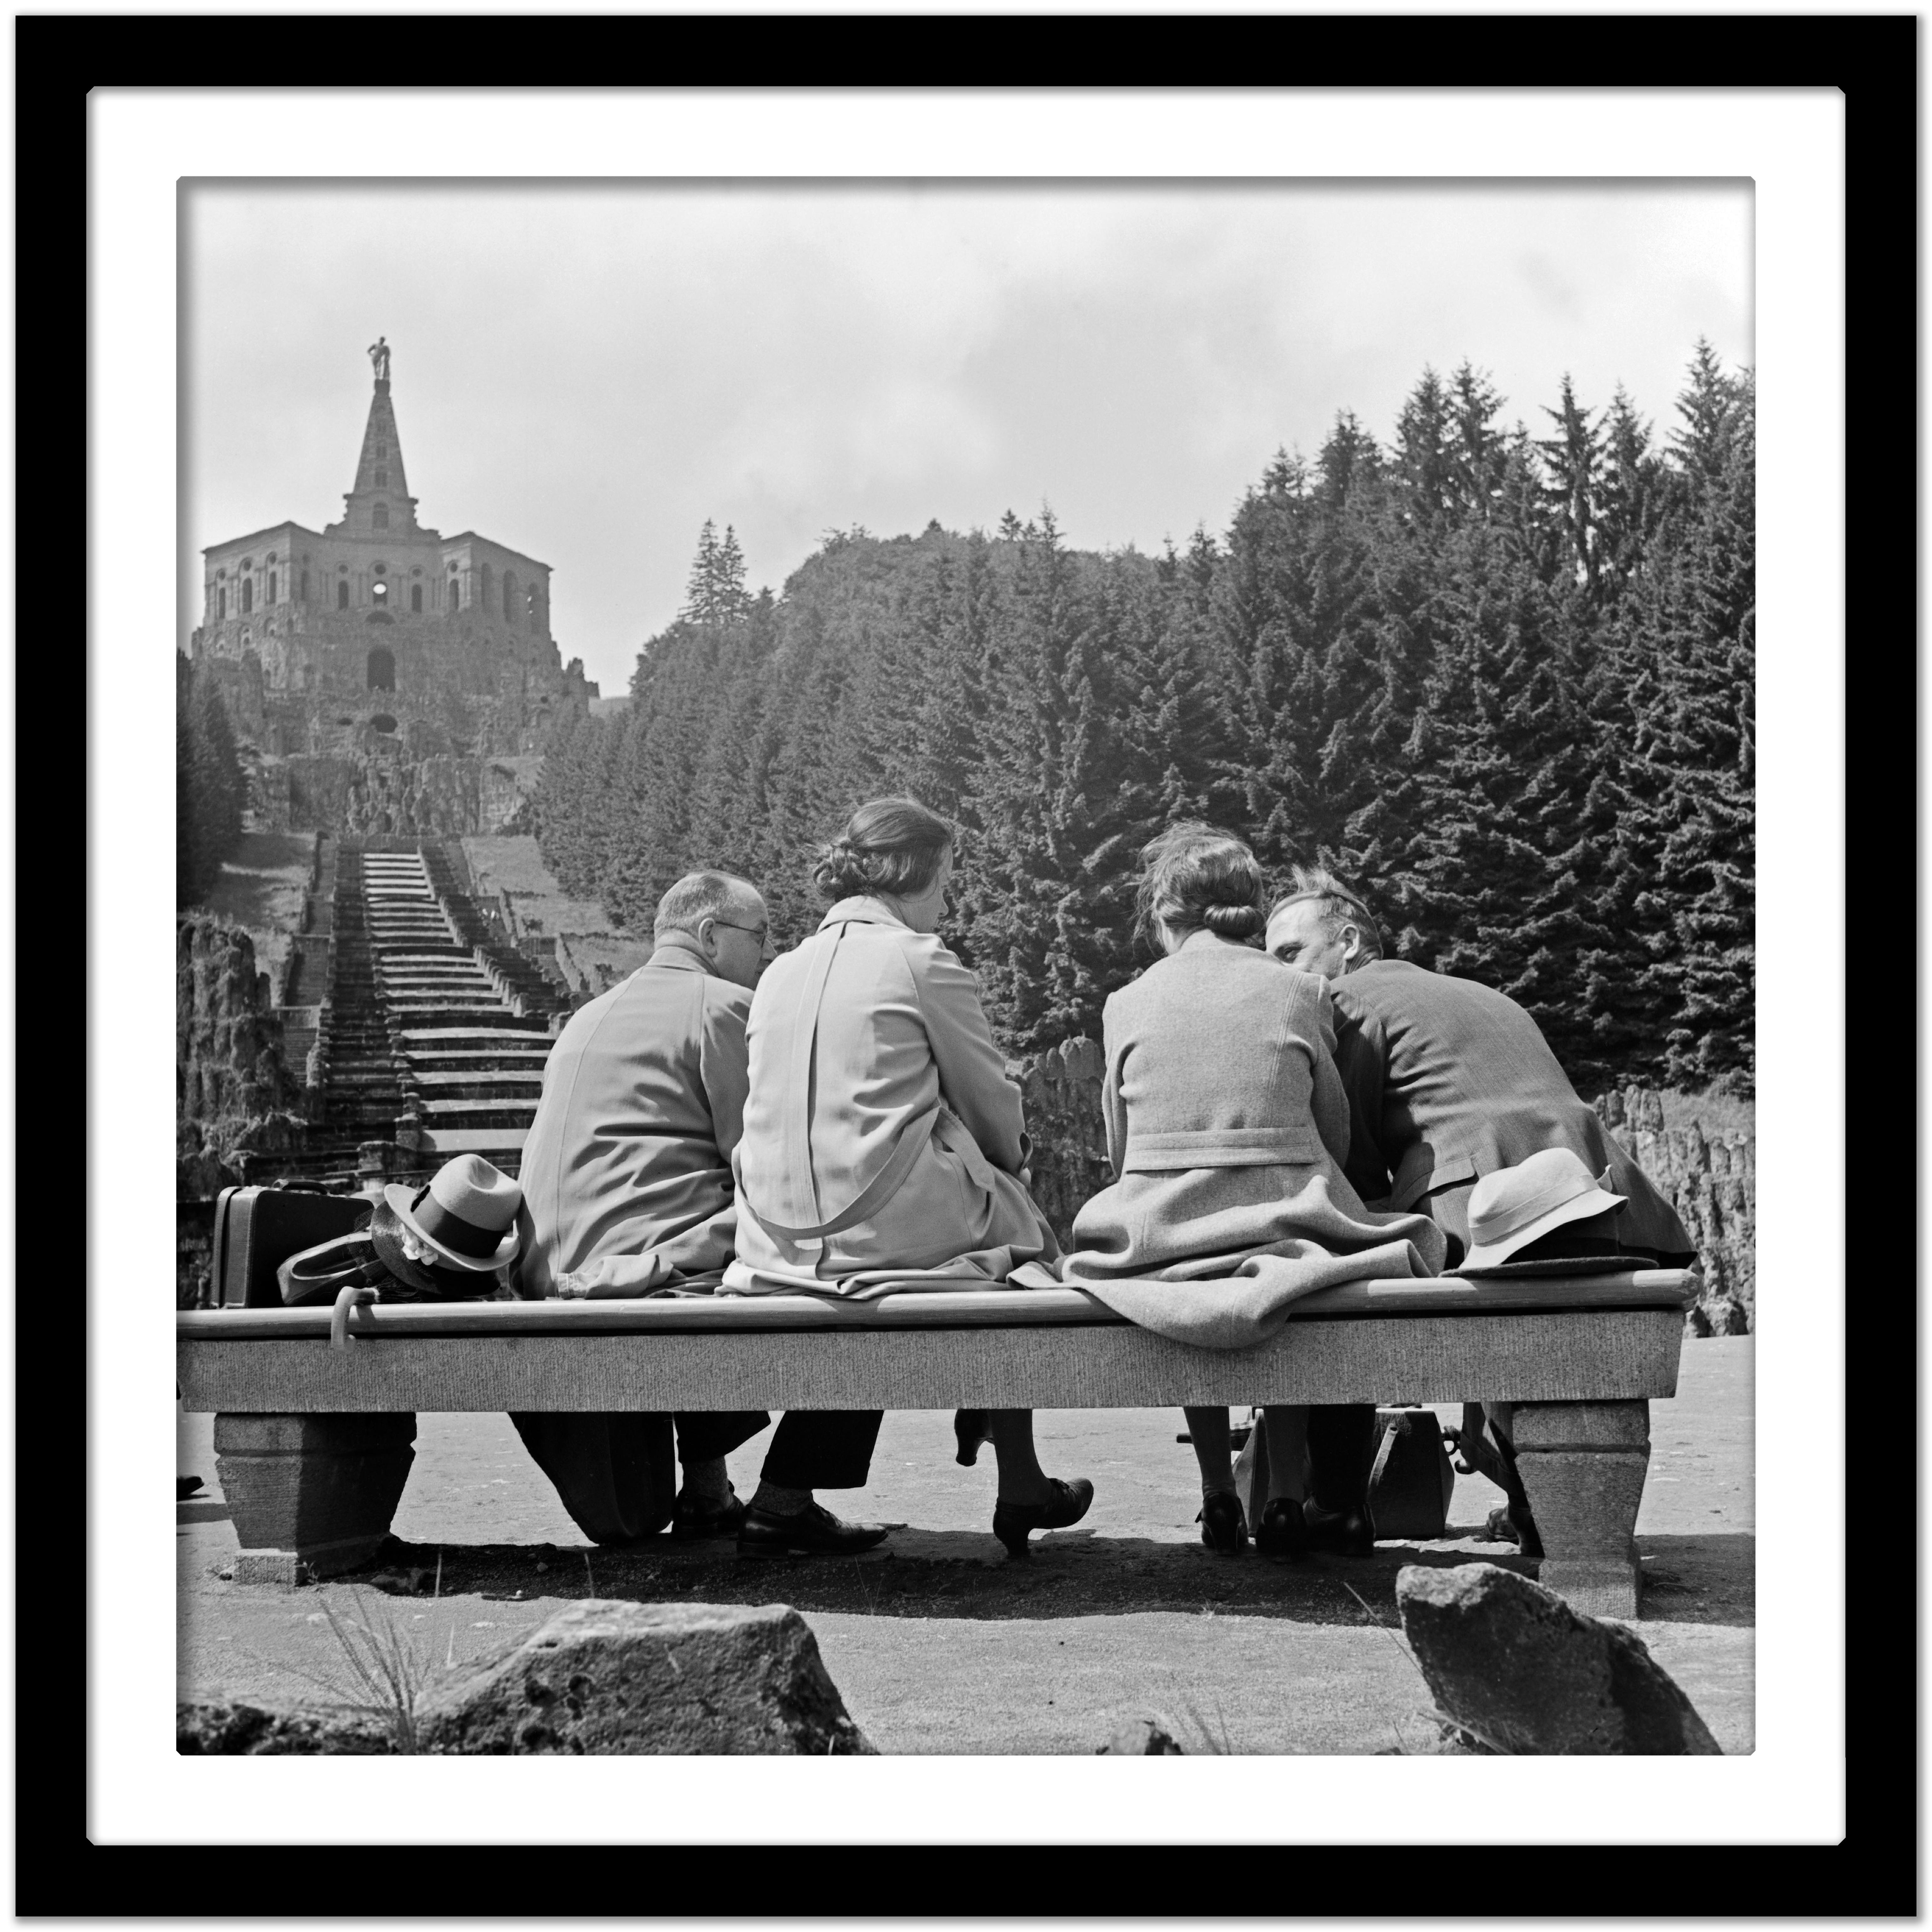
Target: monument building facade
[[381, 647]]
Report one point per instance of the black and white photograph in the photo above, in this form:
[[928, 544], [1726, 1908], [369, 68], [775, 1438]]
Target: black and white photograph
[[966, 969], [966, 907]]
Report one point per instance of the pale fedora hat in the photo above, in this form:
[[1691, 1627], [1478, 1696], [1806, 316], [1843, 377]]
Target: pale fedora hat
[[1515, 1206], [466, 1215]]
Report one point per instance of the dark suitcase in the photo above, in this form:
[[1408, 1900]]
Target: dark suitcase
[[257, 1228], [1411, 1479]]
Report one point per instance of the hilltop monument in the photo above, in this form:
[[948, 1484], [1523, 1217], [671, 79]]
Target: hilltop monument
[[375, 667]]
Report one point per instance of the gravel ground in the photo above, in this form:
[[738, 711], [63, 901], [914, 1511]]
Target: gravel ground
[[939, 1645]]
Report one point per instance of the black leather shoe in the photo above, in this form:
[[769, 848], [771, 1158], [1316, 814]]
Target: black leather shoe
[[692, 1519], [1348, 1532], [971, 1427], [1282, 1532], [1223, 1527], [814, 1531], [185, 1486], [1014, 1523]]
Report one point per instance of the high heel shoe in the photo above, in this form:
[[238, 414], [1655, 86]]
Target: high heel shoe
[[971, 1427], [1282, 1532], [1223, 1527], [1014, 1523]]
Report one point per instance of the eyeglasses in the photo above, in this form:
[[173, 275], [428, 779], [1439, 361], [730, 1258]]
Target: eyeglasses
[[758, 932]]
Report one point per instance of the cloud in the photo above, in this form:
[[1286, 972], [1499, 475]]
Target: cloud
[[590, 371]]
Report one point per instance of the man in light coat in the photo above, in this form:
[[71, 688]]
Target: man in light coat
[[628, 1188], [1447, 1080]]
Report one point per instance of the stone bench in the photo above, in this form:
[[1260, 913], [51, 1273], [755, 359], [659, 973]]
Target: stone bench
[[314, 1442]]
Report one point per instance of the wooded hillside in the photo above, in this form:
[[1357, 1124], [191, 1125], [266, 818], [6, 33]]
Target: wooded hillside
[[1502, 679]]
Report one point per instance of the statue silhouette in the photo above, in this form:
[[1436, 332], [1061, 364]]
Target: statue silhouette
[[379, 357]]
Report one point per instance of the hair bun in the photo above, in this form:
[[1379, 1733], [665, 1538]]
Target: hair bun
[[1233, 921], [889, 845]]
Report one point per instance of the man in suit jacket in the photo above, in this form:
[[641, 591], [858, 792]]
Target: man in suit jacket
[[1447, 1080], [627, 1188]]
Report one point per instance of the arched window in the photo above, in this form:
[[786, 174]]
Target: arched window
[[248, 594], [509, 593], [304, 586], [379, 591], [379, 516], [456, 593], [483, 598], [272, 586], [382, 669], [220, 605], [342, 593], [415, 596]]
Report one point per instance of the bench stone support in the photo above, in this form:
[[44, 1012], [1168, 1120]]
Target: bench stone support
[[310, 1495], [1582, 1465]]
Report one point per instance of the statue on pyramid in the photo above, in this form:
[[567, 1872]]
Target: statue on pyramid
[[379, 357]]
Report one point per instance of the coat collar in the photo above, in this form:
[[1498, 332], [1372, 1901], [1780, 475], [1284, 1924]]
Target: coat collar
[[680, 955], [1203, 938], [863, 910]]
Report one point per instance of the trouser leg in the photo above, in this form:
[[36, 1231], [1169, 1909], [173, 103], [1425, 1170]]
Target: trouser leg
[[1285, 1425], [704, 1433], [823, 1449], [1341, 1447], [614, 1473]]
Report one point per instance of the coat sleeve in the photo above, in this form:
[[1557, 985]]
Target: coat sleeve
[[724, 1068], [972, 1078], [1361, 1058], [1330, 1099]]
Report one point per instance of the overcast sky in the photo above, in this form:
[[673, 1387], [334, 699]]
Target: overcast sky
[[587, 373]]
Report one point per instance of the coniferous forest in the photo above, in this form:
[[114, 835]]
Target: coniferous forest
[[1499, 676]]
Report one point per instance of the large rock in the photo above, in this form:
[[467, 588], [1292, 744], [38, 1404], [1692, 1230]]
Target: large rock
[[1513, 1665], [604, 1678], [211, 1728], [1140, 1737]]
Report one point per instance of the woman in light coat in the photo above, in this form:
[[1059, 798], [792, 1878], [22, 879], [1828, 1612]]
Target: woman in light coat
[[1228, 1127], [883, 1143]]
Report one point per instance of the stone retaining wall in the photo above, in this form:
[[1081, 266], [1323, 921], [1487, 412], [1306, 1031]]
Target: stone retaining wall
[[1712, 1182]]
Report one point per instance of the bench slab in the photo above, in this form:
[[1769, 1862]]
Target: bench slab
[[1580, 1360], [1597, 1355]]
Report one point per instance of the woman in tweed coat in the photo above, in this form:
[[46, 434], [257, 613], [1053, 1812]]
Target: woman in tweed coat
[[1227, 1128]]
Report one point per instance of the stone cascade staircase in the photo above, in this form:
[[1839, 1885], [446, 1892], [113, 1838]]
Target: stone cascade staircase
[[469, 1053], [361, 1094]]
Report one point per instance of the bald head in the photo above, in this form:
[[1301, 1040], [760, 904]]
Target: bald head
[[721, 917]]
